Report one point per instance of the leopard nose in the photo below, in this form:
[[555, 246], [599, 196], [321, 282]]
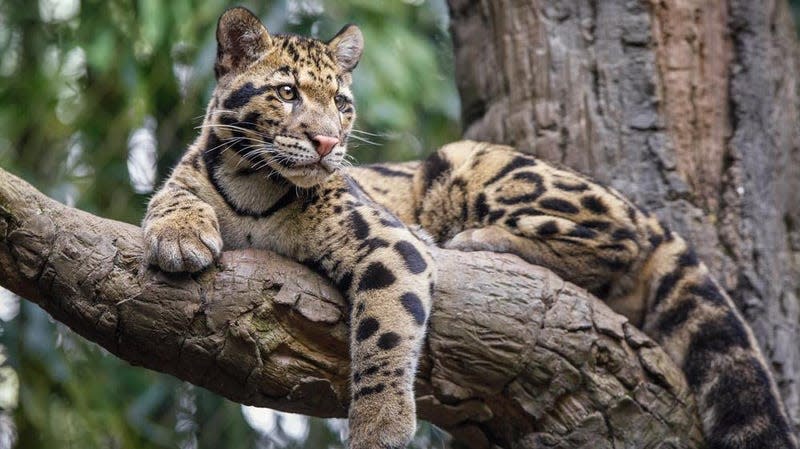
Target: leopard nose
[[324, 144]]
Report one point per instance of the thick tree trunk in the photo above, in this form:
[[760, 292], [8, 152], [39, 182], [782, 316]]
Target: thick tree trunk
[[515, 357], [690, 107]]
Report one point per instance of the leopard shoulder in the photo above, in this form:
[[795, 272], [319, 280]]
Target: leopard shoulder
[[266, 172]]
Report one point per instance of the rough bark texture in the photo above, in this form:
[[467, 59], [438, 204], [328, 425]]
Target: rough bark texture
[[515, 358], [690, 107]]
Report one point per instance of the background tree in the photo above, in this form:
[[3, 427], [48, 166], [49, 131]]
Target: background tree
[[691, 108]]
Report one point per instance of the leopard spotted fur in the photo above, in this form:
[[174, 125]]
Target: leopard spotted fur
[[267, 171], [479, 196]]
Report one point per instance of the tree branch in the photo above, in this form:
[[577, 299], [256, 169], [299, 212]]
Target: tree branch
[[515, 356]]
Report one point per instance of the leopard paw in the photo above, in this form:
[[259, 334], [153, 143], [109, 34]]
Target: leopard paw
[[182, 245], [385, 423]]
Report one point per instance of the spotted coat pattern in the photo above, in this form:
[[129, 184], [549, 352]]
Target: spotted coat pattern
[[265, 172], [479, 196], [268, 171]]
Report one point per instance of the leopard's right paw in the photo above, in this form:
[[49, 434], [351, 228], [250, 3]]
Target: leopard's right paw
[[384, 423], [182, 246]]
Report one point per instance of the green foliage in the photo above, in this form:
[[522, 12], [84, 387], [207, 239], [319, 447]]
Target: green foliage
[[795, 5], [77, 79]]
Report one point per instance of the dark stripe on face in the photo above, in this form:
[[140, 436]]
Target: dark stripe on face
[[515, 163], [413, 306], [242, 96], [411, 256], [212, 158], [242, 143], [251, 154], [434, 167], [388, 171], [375, 277], [249, 123]]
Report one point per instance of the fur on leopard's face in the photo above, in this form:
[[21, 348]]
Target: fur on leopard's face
[[282, 102]]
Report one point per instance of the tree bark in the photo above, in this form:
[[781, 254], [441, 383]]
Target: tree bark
[[689, 107], [515, 357]]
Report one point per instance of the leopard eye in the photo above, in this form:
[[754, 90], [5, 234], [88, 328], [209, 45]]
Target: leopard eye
[[287, 92], [341, 102]]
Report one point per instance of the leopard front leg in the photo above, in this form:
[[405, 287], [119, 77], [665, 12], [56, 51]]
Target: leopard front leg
[[388, 276], [181, 232], [390, 304]]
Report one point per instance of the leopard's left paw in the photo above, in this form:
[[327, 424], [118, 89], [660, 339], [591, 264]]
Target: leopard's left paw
[[385, 422]]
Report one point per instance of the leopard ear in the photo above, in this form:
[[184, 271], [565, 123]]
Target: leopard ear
[[347, 46], [241, 39]]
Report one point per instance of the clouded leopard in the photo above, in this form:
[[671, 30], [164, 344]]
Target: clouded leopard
[[267, 172]]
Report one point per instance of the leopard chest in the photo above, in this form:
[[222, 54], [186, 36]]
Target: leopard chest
[[248, 232]]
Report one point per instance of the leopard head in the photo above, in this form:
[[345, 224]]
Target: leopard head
[[282, 102]]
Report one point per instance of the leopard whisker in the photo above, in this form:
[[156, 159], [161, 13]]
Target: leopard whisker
[[365, 140], [360, 131]]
